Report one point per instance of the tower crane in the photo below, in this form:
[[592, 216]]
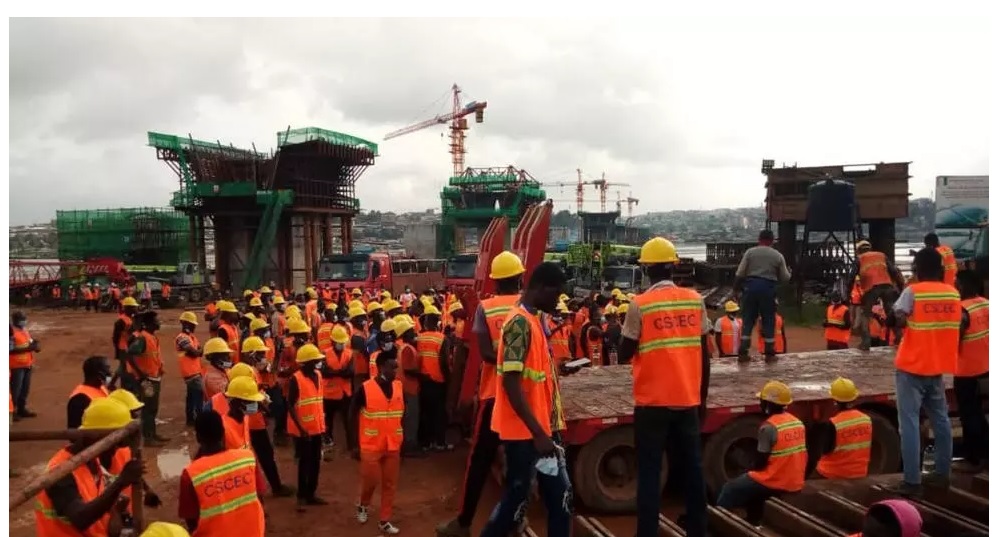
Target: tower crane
[[457, 126], [602, 185], [630, 201]]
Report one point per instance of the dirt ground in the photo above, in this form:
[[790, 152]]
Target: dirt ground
[[429, 487]]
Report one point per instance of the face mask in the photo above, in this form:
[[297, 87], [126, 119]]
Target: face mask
[[107, 379], [187, 329], [557, 319], [388, 346], [226, 364], [251, 408], [267, 334], [339, 347], [318, 365]]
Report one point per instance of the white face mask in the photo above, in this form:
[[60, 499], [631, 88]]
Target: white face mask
[[251, 408], [267, 334], [319, 366], [388, 346], [108, 379], [339, 347], [225, 364]]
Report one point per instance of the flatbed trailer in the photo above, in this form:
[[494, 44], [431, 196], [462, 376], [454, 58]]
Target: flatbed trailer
[[598, 408]]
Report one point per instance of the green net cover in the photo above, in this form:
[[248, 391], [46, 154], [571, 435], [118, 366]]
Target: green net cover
[[307, 134]]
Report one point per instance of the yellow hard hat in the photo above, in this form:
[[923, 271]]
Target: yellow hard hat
[[265, 290], [354, 304], [340, 334], [611, 310], [254, 344], [385, 294], [278, 299], [564, 297], [292, 309], [308, 353], [776, 392], [453, 298], [390, 304], [658, 250], [731, 307], [356, 312], [216, 345], [373, 306], [256, 302], [225, 306], [164, 529], [356, 292], [402, 324], [455, 306], [562, 308], [247, 293], [387, 326], [426, 300], [297, 326], [843, 390], [623, 308], [630, 296], [257, 324], [615, 292], [244, 388], [127, 399], [863, 244], [431, 310], [129, 302], [311, 293], [506, 265], [105, 413], [240, 370], [250, 316], [189, 317]]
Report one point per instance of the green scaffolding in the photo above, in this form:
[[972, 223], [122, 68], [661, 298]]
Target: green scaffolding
[[141, 236], [307, 134]]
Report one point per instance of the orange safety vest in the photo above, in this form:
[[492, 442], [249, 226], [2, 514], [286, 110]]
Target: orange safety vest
[[931, 339], [309, 309], [268, 379], [579, 320], [149, 362], [89, 486], [496, 311], [336, 388], [873, 270], [122, 340], [779, 343], [225, 484], [666, 369], [325, 336], [836, 317], [559, 343], [594, 345], [281, 324], [380, 420], [973, 355], [21, 340], [853, 447], [537, 377], [118, 460], [949, 264], [211, 310], [429, 348], [90, 391], [310, 406], [786, 467], [189, 365], [732, 332], [411, 384], [877, 329], [232, 333], [373, 363]]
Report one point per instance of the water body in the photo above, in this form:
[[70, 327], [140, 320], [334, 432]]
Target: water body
[[696, 251]]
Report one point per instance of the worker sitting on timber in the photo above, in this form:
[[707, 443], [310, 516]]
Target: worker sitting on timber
[[115, 461], [218, 357], [120, 335], [83, 502], [144, 362], [757, 276], [971, 377], [228, 318], [96, 376], [837, 323], [879, 280], [728, 331], [221, 490], [846, 440], [665, 337], [780, 460], [780, 335], [931, 240], [188, 353]]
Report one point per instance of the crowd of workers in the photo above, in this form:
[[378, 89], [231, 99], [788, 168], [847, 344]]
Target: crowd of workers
[[92, 297], [383, 366]]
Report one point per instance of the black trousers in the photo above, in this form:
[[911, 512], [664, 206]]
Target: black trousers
[[433, 418], [972, 417], [836, 345], [339, 407], [483, 450], [263, 448], [308, 465]]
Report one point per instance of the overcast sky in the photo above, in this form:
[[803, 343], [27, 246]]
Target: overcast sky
[[682, 109]]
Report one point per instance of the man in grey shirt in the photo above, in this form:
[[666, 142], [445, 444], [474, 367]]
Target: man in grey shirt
[[759, 272]]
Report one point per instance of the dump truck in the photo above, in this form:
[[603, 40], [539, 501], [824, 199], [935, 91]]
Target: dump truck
[[379, 271]]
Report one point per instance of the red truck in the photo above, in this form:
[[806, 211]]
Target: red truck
[[379, 271], [460, 271], [598, 407]]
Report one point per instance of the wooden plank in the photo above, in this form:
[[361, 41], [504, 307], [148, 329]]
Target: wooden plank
[[792, 521], [936, 520]]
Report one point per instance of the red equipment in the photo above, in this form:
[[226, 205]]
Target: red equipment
[[29, 273]]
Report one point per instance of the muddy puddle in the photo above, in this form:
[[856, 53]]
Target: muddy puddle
[[171, 462]]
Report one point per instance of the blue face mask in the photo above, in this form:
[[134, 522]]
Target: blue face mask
[[251, 408]]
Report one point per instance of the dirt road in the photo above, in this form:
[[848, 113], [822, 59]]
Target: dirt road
[[428, 491]]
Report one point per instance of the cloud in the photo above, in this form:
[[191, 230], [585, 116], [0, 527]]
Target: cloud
[[684, 110]]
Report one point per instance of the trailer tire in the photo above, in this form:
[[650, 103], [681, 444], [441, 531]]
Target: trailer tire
[[717, 464], [195, 296], [886, 446], [184, 297], [605, 471]]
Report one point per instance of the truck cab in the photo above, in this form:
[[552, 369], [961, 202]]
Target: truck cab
[[369, 271], [460, 270]]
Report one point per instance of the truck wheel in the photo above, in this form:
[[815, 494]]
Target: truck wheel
[[726, 449], [886, 446], [184, 297], [196, 296], [605, 471]]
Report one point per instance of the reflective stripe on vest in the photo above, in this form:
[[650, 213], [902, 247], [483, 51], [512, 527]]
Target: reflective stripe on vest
[[852, 455], [732, 333], [949, 264], [49, 524], [496, 311], [122, 340], [231, 336], [21, 341], [836, 318], [873, 268], [666, 369], [538, 387], [786, 466], [973, 355], [324, 336], [189, 365], [335, 388], [779, 343], [429, 347], [149, 362], [380, 419], [225, 484], [931, 340], [310, 406]]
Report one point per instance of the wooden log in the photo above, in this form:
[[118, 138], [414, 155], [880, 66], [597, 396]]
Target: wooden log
[[71, 435], [52, 476], [138, 496]]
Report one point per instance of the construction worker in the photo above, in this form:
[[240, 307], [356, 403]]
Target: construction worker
[[561, 342], [757, 276], [278, 319], [410, 377], [83, 502], [879, 280], [323, 335], [337, 375], [506, 271], [780, 461], [311, 305], [665, 337], [592, 331], [119, 339], [971, 377], [729, 330], [612, 336], [881, 334], [379, 403], [144, 365], [96, 376], [307, 422], [298, 334], [931, 240], [114, 461], [837, 324], [228, 318], [432, 348], [219, 361], [406, 298], [930, 313], [780, 334], [254, 365], [845, 441], [188, 353], [528, 415], [221, 490], [374, 310], [240, 401]]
